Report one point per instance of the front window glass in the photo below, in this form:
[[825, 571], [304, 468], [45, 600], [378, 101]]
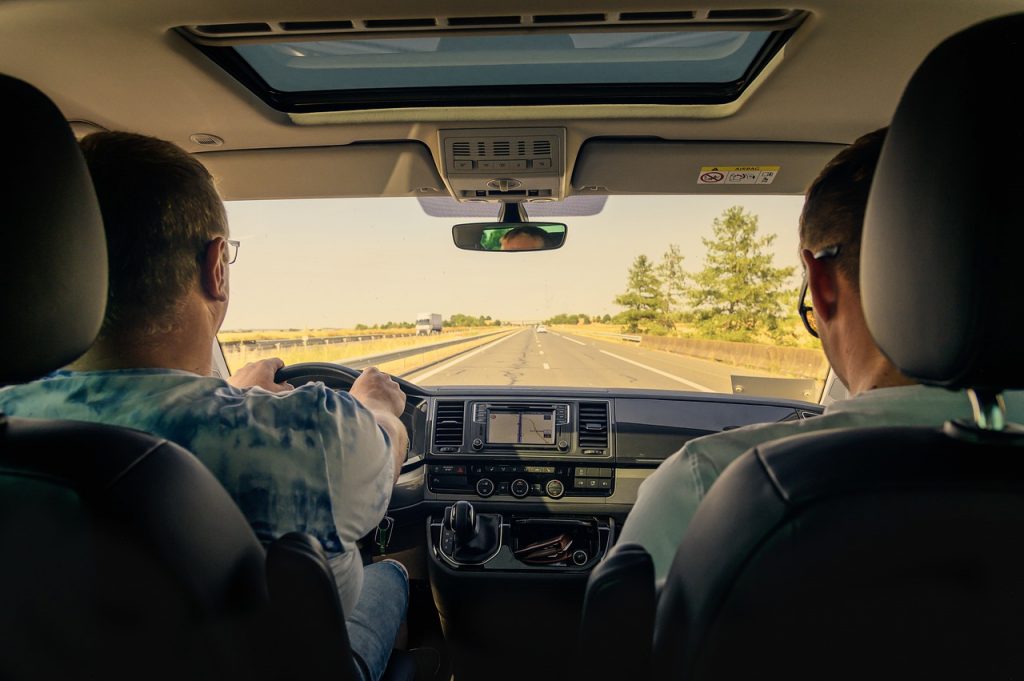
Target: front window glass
[[657, 292]]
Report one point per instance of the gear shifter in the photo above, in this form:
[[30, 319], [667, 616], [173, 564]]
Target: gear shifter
[[463, 521], [470, 538]]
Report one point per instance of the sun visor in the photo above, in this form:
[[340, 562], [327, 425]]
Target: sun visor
[[355, 170], [664, 167]]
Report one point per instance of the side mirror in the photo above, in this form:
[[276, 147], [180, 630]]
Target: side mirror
[[509, 236]]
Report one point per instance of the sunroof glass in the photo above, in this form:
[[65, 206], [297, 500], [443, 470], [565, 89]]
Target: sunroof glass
[[583, 58]]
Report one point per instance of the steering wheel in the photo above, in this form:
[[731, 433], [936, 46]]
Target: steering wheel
[[340, 377], [337, 376]]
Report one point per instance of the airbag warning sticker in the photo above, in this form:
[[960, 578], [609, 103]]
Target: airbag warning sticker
[[737, 174]]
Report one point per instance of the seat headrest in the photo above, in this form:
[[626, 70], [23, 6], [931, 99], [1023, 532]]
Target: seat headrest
[[53, 260], [943, 247]]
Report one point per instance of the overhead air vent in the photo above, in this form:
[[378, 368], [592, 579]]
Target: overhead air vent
[[593, 425], [568, 18], [400, 23], [461, 149], [233, 29], [343, 25], [542, 148], [749, 14], [484, 21], [449, 418], [656, 16]]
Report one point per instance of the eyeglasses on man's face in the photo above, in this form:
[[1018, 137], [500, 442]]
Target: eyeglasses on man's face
[[232, 250], [806, 311]]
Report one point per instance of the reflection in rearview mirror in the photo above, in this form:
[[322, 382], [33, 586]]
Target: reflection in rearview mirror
[[509, 236]]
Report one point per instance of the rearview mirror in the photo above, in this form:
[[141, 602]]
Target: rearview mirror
[[509, 236]]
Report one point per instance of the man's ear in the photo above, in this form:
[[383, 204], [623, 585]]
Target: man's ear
[[213, 270], [823, 284]]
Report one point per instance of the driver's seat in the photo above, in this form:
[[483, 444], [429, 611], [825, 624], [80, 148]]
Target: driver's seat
[[120, 553]]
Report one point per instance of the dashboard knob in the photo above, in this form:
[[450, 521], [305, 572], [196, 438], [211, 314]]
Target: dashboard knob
[[519, 488], [580, 557], [478, 444], [563, 444], [555, 489], [485, 487]]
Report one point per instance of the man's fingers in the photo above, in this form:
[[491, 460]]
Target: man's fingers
[[287, 386], [277, 362]]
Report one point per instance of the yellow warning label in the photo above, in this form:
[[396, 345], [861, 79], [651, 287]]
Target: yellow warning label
[[737, 174]]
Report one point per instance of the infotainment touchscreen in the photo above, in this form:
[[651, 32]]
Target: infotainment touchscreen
[[521, 428]]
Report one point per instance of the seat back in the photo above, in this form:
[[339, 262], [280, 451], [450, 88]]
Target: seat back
[[618, 607], [121, 553], [854, 553]]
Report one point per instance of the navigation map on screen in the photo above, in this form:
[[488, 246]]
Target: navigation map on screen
[[521, 428]]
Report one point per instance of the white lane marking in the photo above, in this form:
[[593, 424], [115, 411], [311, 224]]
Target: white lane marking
[[698, 386], [542, 352], [436, 370], [572, 340], [546, 365]]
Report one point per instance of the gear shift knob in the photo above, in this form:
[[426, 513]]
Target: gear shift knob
[[463, 521]]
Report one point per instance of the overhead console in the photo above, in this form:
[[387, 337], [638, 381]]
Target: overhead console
[[518, 164]]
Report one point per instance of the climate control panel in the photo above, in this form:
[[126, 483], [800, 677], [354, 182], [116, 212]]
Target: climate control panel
[[521, 480]]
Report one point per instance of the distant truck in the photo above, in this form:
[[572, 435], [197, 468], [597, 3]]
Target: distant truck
[[428, 323]]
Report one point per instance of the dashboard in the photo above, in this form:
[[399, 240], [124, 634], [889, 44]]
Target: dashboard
[[560, 448]]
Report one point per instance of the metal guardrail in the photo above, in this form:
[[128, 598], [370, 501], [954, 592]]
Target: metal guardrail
[[380, 358], [278, 343], [625, 337]]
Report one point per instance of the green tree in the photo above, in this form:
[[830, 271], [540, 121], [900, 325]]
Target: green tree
[[740, 294], [646, 308], [673, 277]]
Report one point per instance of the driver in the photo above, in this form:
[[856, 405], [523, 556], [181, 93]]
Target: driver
[[307, 459], [526, 238]]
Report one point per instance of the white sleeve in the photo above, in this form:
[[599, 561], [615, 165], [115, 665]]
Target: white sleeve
[[360, 467]]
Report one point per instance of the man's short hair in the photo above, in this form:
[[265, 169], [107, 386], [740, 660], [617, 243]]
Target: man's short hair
[[835, 203], [525, 230], [160, 209]]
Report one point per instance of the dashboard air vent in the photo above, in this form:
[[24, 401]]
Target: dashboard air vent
[[449, 418], [593, 425]]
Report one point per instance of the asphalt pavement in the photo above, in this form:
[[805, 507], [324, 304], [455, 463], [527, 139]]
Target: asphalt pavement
[[528, 358]]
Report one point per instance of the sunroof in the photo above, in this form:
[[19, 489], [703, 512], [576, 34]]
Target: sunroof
[[663, 65]]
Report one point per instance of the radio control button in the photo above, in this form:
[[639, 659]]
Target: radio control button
[[478, 444], [563, 444], [555, 489], [519, 488], [485, 487]]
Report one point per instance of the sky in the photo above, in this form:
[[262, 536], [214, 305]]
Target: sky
[[318, 263]]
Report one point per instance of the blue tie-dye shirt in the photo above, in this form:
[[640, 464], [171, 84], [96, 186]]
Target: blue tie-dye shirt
[[312, 459]]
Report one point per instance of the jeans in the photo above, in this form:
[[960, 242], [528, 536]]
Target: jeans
[[373, 624]]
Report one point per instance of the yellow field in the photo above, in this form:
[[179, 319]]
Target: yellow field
[[337, 352]]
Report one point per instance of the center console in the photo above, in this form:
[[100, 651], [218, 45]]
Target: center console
[[520, 449], [519, 488]]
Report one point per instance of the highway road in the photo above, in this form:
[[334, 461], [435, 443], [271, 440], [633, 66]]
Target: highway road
[[528, 358]]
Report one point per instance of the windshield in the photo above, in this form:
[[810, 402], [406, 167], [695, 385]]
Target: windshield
[[694, 293]]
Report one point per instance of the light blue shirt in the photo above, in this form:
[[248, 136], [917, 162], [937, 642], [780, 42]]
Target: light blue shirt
[[668, 499], [310, 460]]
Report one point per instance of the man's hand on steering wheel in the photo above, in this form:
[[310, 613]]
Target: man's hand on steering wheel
[[260, 374], [377, 390]]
